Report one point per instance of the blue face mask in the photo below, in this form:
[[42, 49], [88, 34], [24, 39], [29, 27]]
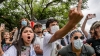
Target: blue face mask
[[24, 23]]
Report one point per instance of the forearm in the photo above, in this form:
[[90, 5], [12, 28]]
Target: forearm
[[0, 37], [10, 43], [84, 23], [1, 52], [83, 27], [63, 31], [75, 15]]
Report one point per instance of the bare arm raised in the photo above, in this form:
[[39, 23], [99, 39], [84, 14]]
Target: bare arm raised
[[75, 15], [1, 52], [83, 26]]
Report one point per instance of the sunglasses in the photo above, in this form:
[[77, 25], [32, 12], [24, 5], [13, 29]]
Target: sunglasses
[[76, 37]]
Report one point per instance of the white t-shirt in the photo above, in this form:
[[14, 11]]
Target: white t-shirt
[[39, 40], [13, 52], [48, 47]]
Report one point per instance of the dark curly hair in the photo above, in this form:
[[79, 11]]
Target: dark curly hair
[[50, 21], [74, 31]]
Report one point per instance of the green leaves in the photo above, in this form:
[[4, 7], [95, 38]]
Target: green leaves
[[13, 10]]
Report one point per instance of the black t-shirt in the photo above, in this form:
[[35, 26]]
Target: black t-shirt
[[95, 44]]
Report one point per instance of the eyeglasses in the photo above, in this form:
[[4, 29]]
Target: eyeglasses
[[76, 37]]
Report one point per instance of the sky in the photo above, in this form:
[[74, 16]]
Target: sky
[[94, 7]]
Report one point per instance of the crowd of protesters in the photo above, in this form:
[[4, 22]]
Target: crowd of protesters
[[32, 40]]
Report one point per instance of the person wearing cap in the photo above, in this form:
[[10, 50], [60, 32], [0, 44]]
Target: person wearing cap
[[76, 47], [38, 43], [95, 40]]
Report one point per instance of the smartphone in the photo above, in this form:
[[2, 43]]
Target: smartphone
[[90, 16], [2, 25]]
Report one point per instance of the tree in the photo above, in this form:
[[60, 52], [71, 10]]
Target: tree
[[12, 10], [1, 1]]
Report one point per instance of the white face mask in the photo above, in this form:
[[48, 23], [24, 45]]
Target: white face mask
[[54, 28], [45, 33], [78, 43]]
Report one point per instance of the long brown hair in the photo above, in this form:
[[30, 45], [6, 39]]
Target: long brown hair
[[20, 42]]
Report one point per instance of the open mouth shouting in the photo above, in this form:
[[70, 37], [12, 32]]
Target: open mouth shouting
[[28, 37]]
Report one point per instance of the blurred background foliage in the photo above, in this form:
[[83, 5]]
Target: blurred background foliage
[[11, 11]]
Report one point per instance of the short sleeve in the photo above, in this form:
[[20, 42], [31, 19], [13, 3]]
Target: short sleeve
[[47, 38], [11, 52]]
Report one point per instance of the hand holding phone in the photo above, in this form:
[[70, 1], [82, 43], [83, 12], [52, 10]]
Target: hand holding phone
[[2, 25], [90, 16]]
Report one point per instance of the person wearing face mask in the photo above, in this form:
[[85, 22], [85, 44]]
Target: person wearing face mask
[[75, 15], [23, 22], [77, 48], [53, 27], [44, 31]]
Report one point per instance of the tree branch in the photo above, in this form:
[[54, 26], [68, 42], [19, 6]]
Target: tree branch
[[24, 9], [46, 7], [32, 16], [29, 5]]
